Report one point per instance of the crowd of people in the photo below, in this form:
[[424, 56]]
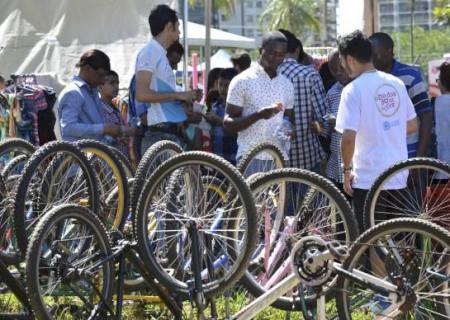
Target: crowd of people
[[349, 122]]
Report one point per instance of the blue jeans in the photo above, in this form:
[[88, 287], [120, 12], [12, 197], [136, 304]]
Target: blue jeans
[[151, 137]]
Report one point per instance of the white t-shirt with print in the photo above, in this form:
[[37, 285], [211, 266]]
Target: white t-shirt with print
[[253, 90], [376, 105], [153, 58]]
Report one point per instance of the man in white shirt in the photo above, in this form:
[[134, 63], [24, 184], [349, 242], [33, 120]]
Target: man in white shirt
[[155, 81], [258, 95], [375, 115]]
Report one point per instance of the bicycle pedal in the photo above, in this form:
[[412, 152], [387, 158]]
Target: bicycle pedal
[[337, 249]]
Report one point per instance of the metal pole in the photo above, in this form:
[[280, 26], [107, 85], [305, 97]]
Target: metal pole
[[411, 30], [208, 6], [185, 44]]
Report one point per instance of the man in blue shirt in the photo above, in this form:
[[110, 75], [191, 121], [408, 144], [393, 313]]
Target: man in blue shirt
[[155, 81], [80, 107], [383, 60]]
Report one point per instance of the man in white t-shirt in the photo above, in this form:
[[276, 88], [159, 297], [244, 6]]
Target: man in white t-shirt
[[155, 81], [258, 95], [375, 115]]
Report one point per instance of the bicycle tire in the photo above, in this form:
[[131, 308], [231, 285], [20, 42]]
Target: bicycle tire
[[12, 165], [16, 144], [266, 146], [249, 239], [144, 171], [5, 226], [318, 184], [111, 158], [33, 256], [371, 238], [377, 187], [44, 153], [126, 163]]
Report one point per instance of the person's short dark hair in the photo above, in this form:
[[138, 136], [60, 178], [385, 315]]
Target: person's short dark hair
[[292, 42], [242, 60], [112, 74], [96, 59], [273, 36], [176, 47], [383, 39], [356, 45], [327, 77], [213, 76], [444, 76], [2, 80], [159, 17], [228, 73]]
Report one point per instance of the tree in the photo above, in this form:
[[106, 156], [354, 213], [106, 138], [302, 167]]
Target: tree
[[429, 45], [442, 12], [297, 16]]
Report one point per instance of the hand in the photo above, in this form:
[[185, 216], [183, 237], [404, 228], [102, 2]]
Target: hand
[[213, 118], [348, 181], [129, 132], [190, 96], [268, 112], [111, 130], [316, 127]]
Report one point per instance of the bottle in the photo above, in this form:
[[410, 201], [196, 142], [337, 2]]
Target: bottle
[[284, 133]]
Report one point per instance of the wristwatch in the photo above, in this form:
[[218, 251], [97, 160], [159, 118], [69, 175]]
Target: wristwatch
[[346, 169]]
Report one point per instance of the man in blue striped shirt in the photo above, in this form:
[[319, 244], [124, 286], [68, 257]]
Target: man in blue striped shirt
[[383, 60]]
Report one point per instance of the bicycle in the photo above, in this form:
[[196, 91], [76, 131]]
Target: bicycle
[[413, 284]]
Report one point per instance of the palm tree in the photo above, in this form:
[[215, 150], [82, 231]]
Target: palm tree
[[297, 16]]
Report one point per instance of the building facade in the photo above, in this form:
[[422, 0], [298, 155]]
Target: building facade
[[399, 15]]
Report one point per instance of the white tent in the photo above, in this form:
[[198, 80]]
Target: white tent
[[219, 38], [50, 35], [221, 59]]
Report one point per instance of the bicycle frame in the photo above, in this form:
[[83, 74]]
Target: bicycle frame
[[283, 287]]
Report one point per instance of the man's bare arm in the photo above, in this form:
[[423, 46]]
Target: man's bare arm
[[145, 94], [235, 122]]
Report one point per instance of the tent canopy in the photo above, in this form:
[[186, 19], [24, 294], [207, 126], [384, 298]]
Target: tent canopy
[[51, 35], [219, 38], [221, 59]]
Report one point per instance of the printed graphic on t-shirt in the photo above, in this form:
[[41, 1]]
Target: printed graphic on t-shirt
[[387, 100]]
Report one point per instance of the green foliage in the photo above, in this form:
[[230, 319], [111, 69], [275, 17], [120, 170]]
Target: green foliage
[[297, 16], [428, 45], [442, 12], [225, 7]]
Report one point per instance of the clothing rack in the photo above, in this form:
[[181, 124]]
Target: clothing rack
[[24, 79]]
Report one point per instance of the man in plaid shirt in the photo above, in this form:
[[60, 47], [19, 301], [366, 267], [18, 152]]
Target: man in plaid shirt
[[309, 107]]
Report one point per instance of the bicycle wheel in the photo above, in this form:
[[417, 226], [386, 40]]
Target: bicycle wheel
[[125, 162], [153, 157], [12, 148], [175, 203], [57, 173], [418, 187], [415, 265], [67, 275], [263, 157], [292, 204], [15, 166], [7, 239], [112, 183]]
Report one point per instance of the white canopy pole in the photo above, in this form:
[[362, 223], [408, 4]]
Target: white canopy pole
[[185, 44], [208, 6]]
